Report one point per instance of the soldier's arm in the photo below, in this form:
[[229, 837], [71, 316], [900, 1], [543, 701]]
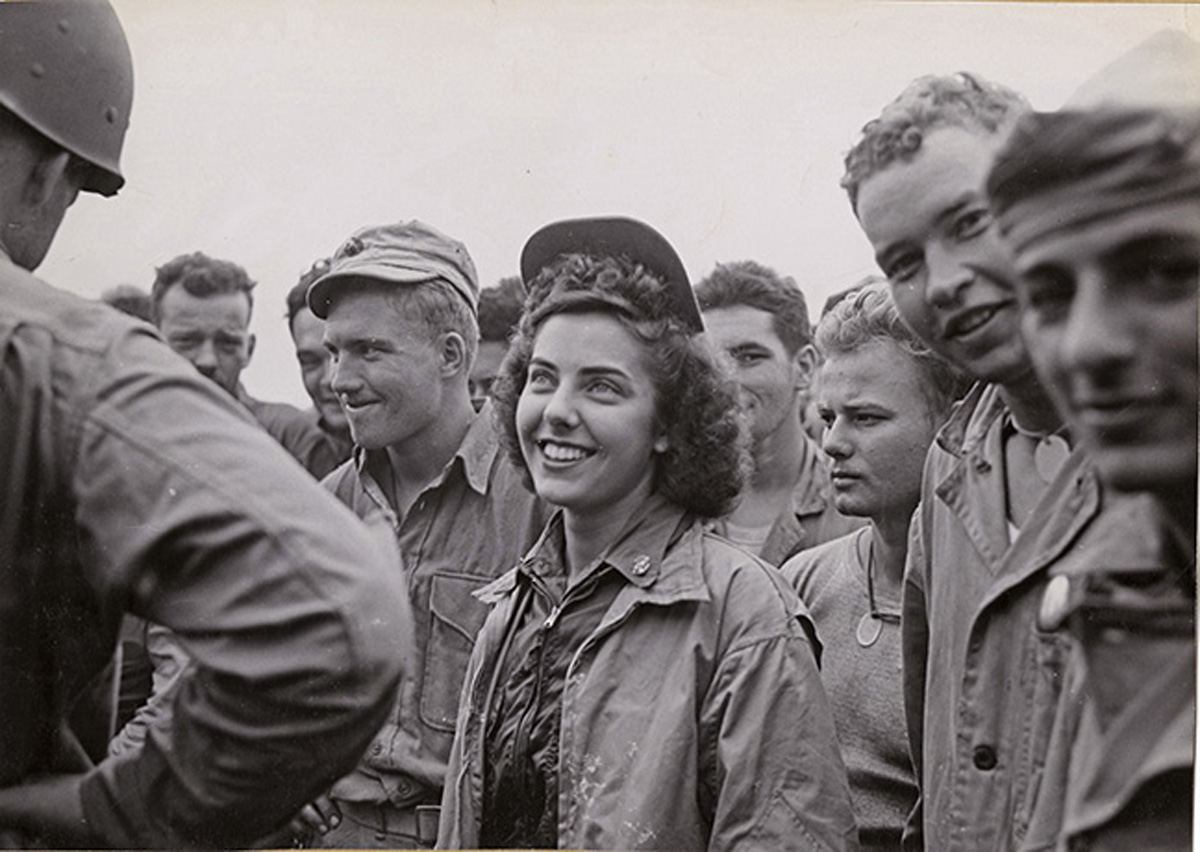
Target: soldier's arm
[[292, 609]]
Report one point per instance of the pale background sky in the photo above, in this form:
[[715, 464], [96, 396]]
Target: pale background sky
[[266, 131]]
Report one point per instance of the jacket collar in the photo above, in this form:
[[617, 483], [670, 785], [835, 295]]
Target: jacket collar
[[658, 554], [971, 418], [973, 488]]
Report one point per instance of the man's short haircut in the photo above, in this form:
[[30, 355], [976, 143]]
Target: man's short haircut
[[868, 315], [201, 276], [928, 103], [297, 296], [435, 305], [748, 283], [500, 309]]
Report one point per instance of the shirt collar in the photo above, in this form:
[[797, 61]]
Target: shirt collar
[[475, 454], [479, 448], [811, 495]]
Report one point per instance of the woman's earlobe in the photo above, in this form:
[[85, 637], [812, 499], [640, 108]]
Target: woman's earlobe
[[661, 444]]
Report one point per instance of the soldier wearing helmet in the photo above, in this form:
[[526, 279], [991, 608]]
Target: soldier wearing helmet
[[66, 88], [128, 482]]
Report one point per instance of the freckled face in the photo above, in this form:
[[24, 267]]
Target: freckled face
[[950, 273], [1110, 316], [387, 372], [586, 417]]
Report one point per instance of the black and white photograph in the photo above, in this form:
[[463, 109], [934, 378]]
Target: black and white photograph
[[612, 424]]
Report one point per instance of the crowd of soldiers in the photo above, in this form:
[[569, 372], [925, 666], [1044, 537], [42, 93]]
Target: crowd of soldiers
[[599, 559]]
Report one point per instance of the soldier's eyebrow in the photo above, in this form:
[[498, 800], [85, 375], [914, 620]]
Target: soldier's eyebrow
[[749, 346]]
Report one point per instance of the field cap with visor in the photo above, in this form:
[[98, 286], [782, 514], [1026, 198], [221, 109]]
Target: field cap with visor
[[613, 236], [1129, 138], [401, 253]]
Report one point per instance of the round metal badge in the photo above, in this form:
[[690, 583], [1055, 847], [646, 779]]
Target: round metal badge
[[868, 630]]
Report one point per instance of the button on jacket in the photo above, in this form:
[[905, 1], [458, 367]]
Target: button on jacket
[[982, 683], [463, 531], [131, 482], [692, 717]]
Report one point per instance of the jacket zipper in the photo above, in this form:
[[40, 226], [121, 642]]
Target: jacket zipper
[[525, 724]]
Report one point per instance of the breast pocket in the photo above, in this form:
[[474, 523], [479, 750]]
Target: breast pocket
[[455, 619]]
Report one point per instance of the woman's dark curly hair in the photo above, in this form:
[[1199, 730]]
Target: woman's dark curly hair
[[696, 401]]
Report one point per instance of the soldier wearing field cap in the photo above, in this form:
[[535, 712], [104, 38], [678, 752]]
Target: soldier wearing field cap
[[399, 303], [131, 483], [1100, 202]]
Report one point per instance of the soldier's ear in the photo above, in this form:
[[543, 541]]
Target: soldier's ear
[[454, 354], [45, 174], [805, 363]]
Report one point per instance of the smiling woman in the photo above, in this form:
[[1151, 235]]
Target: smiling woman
[[607, 693], [585, 420]]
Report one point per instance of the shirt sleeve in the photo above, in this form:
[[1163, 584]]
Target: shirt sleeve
[[292, 610]]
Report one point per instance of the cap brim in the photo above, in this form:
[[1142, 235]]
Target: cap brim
[[614, 237], [320, 294]]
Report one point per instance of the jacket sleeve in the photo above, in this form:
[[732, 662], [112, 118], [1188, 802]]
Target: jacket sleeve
[[781, 783], [914, 643], [290, 608]]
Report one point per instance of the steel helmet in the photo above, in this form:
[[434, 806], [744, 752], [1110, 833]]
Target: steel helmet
[[66, 71]]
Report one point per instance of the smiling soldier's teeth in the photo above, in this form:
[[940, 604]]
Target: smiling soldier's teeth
[[975, 321]]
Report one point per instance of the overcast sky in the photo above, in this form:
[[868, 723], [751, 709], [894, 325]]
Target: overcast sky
[[267, 131]]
